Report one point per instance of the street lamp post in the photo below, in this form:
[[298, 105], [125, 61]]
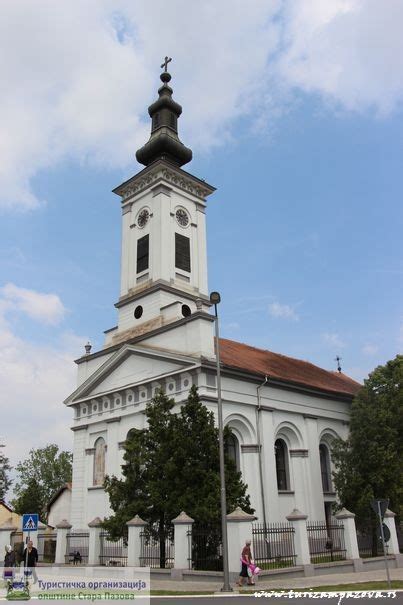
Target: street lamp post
[[215, 298]]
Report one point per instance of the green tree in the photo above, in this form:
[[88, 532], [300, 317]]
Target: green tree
[[368, 464], [172, 465], [39, 477], [5, 467], [30, 499]]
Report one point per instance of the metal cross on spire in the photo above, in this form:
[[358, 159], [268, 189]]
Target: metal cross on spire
[[165, 63], [338, 359]]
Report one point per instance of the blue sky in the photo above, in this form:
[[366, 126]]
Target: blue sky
[[298, 123]]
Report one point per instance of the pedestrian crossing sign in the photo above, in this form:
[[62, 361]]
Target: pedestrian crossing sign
[[30, 522]]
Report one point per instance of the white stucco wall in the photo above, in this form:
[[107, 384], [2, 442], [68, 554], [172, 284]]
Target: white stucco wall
[[60, 509], [300, 419]]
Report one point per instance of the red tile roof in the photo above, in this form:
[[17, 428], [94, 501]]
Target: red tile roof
[[259, 361]]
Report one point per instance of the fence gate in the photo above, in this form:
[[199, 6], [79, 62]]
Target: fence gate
[[112, 552], [205, 547], [46, 547], [326, 542], [77, 545], [273, 545], [156, 546]]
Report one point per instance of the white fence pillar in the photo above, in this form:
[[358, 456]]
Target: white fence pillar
[[393, 544], [63, 529], [239, 529], [39, 544], [135, 527], [94, 545], [182, 534], [350, 533], [5, 537], [301, 542]]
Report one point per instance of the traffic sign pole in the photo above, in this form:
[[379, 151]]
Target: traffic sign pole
[[385, 552], [29, 523]]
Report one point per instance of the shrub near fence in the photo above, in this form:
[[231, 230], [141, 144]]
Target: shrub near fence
[[326, 542], [156, 546], [273, 545], [205, 546]]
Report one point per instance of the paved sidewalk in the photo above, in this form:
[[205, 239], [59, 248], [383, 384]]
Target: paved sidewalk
[[267, 584]]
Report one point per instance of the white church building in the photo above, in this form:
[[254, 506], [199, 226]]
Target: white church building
[[283, 412]]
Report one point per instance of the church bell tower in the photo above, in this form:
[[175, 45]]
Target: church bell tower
[[164, 258]]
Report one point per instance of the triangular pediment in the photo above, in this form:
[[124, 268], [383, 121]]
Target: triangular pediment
[[130, 366]]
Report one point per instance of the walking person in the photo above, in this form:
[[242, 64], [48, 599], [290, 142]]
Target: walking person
[[30, 559], [246, 559], [9, 563]]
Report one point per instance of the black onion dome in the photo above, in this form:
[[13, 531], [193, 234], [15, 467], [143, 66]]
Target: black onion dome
[[164, 142]]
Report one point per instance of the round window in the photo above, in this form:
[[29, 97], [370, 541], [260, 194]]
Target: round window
[[138, 312], [186, 311]]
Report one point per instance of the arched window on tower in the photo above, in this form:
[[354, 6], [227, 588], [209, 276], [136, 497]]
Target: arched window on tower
[[232, 450], [99, 461], [324, 456], [131, 433], [281, 452]]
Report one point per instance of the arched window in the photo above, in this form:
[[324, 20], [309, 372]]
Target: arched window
[[280, 447], [324, 456], [232, 450], [99, 462], [131, 433]]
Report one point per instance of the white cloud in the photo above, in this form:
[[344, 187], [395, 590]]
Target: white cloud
[[77, 76], [349, 51], [35, 379], [334, 340], [280, 311], [370, 349], [46, 308]]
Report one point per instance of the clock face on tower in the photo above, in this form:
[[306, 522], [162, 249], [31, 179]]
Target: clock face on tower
[[182, 217], [143, 217]]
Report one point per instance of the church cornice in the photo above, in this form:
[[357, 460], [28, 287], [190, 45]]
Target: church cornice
[[159, 172], [157, 286]]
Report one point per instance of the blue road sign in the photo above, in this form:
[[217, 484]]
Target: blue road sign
[[30, 522]]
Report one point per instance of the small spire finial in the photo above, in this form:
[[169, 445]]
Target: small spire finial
[[165, 63], [88, 348], [338, 359]]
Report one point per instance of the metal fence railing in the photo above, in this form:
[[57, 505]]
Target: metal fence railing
[[273, 545], [326, 541], [113, 553], [77, 544], [399, 529], [369, 539], [205, 547], [17, 543], [156, 546], [46, 547]]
